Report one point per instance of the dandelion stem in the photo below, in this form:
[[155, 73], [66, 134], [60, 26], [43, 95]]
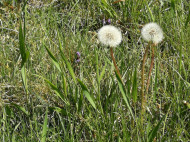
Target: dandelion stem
[[114, 62], [143, 98], [150, 71]]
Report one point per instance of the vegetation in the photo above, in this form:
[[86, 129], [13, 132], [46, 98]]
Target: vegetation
[[58, 83]]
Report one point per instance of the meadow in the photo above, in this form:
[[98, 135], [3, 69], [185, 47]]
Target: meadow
[[59, 83]]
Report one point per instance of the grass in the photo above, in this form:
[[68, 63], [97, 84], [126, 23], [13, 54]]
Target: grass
[[45, 95]]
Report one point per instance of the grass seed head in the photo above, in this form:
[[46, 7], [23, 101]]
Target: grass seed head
[[152, 32], [110, 36]]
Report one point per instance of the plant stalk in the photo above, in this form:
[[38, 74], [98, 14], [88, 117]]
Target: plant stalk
[[114, 62], [143, 98], [150, 71]]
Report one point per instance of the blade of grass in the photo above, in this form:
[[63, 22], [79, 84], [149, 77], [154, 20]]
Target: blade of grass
[[13, 135], [103, 72], [22, 45], [21, 108], [53, 87], [86, 93], [153, 133], [123, 92], [54, 60], [173, 5], [66, 61], [45, 127], [149, 10]]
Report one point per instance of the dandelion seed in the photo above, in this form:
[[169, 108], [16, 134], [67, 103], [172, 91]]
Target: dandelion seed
[[110, 36], [152, 32]]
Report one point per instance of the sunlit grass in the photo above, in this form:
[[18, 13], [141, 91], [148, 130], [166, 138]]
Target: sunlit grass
[[86, 100]]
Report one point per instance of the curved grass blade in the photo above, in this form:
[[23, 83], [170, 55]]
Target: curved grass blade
[[21, 108], [86, 93], [54, 60], [45, 127]]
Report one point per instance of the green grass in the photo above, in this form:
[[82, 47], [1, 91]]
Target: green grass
[[46, 96]]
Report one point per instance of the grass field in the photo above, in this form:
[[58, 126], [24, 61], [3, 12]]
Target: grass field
[[48, 92]]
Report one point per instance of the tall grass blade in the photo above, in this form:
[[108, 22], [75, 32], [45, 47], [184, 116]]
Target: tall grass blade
[[24, 55], [86, 93], [23, 52], [54, 60], [45, 127], [123, 92], [173, 5], [66, 61], [153, 133], [149, 10]]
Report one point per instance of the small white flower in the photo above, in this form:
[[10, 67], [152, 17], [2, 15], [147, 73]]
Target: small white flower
[[109, 36], [152, 32]]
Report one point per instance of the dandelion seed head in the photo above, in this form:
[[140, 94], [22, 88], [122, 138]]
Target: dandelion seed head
[[109, 36], [152, 32]]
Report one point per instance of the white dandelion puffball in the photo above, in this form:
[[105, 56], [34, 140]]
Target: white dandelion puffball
[[152, 32], [110, 36]]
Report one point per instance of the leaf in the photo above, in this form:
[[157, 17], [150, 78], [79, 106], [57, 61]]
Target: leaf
[[134, 89], [21, 108], [103, 72], [153, 133], [54, 60], [23, 73], [121, 87], [22, 45], [45, 127], [86, 93]]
